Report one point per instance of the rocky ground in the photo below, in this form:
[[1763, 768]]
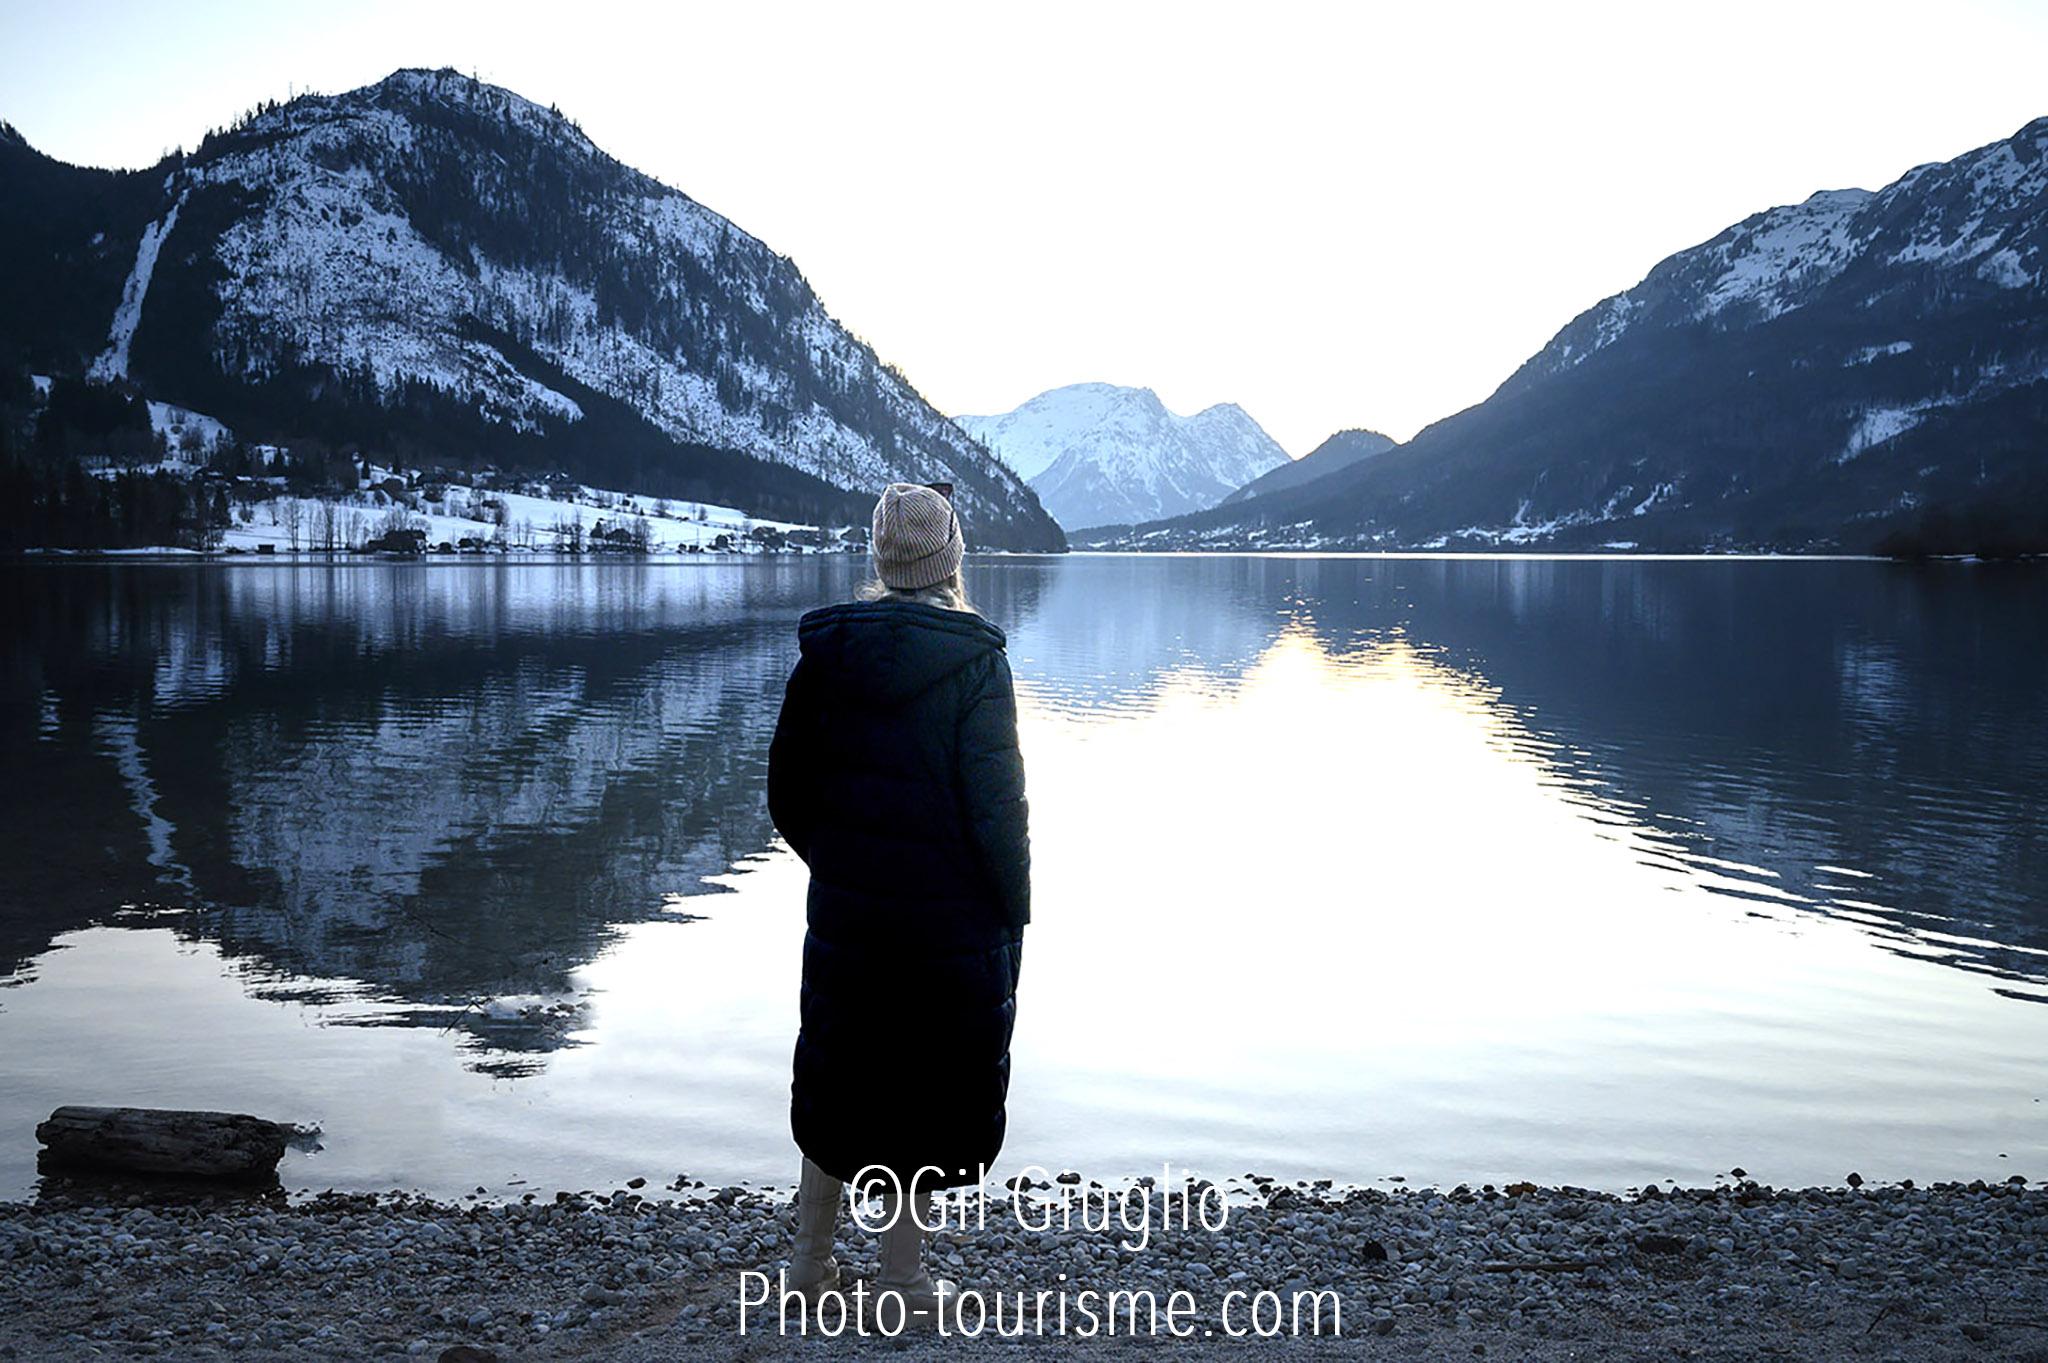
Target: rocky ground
[[1737, 1271]]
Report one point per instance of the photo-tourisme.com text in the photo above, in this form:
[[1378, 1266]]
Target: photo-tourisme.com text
[[1066, 1311]]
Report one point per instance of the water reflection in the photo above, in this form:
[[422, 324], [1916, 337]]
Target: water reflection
[[1461, 867], [1856, 738], [449, 785]]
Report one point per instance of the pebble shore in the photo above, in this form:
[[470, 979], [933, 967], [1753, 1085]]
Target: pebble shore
[[1736, 1270]]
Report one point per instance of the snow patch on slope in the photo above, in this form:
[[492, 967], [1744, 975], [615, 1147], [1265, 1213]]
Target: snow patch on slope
[[1876, 426], [1800, 244], [1872, 352], [113, 361], [1657, 494], [174, 425], [2004, 269], [1611, 320]]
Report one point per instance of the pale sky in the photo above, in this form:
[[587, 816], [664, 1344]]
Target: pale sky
[[1331, 214]]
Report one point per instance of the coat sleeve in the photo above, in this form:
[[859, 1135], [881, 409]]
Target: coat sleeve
[[992, 787], [791, 783]]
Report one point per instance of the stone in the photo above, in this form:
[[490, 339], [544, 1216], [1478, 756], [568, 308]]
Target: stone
[[466, 1353]]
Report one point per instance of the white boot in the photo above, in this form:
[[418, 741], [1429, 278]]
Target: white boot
[[902, 1268], [812, 1269]]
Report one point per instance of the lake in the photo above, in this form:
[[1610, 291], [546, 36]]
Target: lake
[[1438, 869]]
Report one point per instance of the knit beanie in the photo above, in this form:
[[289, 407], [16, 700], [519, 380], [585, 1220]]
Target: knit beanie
[[917, 540]]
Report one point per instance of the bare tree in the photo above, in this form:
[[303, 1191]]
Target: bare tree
[[292, 516], [214, 516]]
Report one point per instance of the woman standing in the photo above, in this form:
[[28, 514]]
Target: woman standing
[[895, 775]]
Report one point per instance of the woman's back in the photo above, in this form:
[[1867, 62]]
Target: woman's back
[[895, 774]]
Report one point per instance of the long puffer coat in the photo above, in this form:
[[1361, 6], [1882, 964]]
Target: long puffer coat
[[895, 774]]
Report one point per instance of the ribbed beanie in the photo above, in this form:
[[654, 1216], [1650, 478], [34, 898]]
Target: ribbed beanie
[[917, 541]]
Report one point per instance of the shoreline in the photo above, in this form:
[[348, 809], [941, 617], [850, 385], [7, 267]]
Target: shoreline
[[1736, 1271], [319, 557]]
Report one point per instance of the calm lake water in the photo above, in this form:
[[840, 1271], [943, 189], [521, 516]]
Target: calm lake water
[[1447, 869]]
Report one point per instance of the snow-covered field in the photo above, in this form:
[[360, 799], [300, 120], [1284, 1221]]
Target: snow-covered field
[[528, 522], [268, 518], [181, 427]]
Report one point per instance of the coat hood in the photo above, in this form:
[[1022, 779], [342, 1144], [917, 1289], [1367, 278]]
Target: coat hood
[[889, 651]]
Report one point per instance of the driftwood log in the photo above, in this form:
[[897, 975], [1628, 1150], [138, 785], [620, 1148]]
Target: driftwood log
[[163, 1141]]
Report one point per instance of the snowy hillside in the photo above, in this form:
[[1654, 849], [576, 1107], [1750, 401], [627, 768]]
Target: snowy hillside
[[1860, 370], [1097, 454], [435, 266]]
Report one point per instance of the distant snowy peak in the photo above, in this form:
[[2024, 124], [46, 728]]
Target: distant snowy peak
[[1030, 437], [1097, 453]]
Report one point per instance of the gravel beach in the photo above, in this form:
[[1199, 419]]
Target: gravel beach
[[1736, 1271]]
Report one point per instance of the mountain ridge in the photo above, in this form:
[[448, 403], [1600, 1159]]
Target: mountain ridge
[[431, 266], [1863, 370], [1340, 450]]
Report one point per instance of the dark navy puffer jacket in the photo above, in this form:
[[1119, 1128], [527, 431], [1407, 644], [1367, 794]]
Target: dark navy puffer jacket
[[895, 775]]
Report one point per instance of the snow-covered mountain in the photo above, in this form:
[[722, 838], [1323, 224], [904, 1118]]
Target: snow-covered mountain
[[432, 267], [1098, 454], [1860, 370]]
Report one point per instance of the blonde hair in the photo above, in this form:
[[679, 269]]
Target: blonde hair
[[950, 594]]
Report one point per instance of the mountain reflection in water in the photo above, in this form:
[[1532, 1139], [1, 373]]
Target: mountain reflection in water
[[1403, 794]]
